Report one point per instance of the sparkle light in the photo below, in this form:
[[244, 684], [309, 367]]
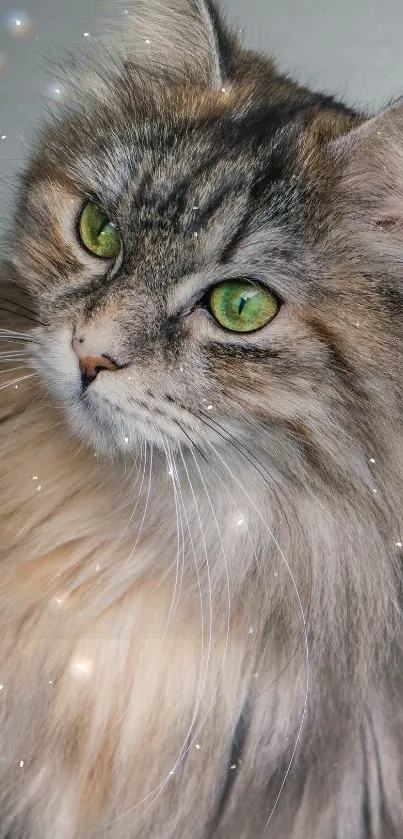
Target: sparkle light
[[372, 460], [22, 763], [58, 601], [56, 91], [80, 667], [18, 23]]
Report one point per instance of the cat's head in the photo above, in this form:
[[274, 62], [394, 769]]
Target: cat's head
[[198, 233]]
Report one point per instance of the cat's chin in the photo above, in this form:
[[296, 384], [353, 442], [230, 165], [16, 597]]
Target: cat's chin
[[107, 430]]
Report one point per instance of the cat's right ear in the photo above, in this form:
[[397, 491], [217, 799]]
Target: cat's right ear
[[183, 40]]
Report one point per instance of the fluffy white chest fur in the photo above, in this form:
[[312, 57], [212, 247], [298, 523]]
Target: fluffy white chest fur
[[127, 655]]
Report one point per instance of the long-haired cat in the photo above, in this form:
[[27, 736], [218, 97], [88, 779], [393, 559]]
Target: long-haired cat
[[202, 454]]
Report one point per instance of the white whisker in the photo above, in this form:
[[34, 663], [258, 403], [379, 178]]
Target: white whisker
[[152, 796], [126, 562], [201, 681], [12, 369], [177, 588], [11, 333], [228, 621], [125, 529], [17, 381], [302, 611]]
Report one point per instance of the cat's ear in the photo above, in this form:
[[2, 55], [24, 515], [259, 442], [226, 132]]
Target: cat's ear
[[184, 39], [369, 161]]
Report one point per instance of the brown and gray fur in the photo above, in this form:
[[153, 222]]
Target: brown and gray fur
[[201, 574]]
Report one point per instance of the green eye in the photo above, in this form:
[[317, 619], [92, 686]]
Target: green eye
[[242, 306], [97, 232]]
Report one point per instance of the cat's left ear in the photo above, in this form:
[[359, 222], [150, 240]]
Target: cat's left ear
[[184, 40], [369, 167]]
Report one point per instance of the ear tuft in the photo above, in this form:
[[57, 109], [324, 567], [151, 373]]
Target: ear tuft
[[179, 39]]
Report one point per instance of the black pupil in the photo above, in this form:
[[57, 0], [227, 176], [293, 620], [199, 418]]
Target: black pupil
[[103, 222], [241, 305]]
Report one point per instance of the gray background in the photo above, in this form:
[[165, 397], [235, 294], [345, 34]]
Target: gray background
[[349, 47]]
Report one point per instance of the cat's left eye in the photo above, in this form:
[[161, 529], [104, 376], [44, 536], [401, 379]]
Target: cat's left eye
[[242, 306], [97, 232]]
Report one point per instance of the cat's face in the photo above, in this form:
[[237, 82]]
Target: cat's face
[[169, 236], [190, 246]]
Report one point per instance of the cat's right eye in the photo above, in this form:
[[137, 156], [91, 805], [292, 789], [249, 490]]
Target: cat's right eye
[[97, 233]]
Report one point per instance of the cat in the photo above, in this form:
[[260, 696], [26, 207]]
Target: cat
[[202, 453]]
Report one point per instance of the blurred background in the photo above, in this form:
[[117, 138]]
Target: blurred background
[[352, 48]]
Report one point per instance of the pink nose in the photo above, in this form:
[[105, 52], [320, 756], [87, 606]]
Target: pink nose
[[90, 367]]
